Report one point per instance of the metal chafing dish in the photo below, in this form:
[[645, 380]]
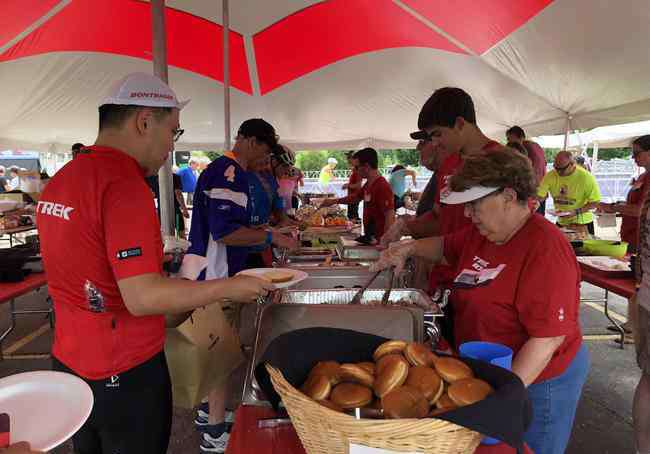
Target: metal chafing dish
[[348, 249], [405, 317], [339, 275], [309, 254], [328, 234]]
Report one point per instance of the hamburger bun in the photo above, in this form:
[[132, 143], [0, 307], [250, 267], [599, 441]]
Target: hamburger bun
[[318, 387], [405, 402], [370, 367], [418, 354], [452, 369], [444, 402], [392, 346], [356, 374], [351, 395], [330, 369], [392, 375], [331, 405], [426, 380], [381, 364], [437, 395], [277, 276], [468, 391]]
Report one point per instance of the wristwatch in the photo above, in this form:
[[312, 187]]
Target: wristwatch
[[269, 238]]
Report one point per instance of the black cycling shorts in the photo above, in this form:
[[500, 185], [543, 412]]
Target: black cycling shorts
[[132, 413]]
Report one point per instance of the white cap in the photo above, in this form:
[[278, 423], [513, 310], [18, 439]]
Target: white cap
[[455, 198], [142, 89], [332, 161]]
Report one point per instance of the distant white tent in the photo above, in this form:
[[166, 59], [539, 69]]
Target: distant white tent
[[605, 136]]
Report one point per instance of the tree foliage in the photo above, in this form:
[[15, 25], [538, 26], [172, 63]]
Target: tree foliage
[[604, 154], [316, 159]]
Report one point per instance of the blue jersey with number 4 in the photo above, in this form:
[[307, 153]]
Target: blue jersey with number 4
[[221, 203]]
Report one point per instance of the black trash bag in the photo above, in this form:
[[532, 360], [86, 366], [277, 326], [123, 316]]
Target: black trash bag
[[504, 415]]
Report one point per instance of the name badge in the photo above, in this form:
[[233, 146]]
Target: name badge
[[472, 278]]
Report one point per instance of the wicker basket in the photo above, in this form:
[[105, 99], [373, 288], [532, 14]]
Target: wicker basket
[[324, 431]]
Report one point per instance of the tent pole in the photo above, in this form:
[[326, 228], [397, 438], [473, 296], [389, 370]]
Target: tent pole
[[567, 130], [226, 75], [594, 158], [165, 180]]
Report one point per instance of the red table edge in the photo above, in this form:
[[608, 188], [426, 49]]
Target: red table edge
[[625, 287], [11, 290]]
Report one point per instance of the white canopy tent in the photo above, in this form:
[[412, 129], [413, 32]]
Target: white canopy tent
[[615, 136], [337, 74]]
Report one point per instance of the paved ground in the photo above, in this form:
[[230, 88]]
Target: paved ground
[[603, 424]]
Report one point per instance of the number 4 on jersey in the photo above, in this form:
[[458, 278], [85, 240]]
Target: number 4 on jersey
[[230, 174]]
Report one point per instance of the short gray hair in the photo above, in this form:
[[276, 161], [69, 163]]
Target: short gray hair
[[193, 160]]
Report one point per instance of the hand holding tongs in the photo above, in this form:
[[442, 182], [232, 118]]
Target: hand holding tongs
[[359, 294]]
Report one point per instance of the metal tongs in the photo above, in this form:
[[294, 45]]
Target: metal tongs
[[384, 300], [359, 294]]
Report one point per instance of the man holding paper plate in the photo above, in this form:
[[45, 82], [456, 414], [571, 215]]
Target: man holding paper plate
[[575, 193], [102, 249]]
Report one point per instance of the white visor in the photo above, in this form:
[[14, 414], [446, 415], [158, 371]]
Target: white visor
[[455, 198]]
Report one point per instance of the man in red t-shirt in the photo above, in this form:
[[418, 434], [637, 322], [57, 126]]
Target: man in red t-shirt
[[353, 185], [447, 123], [377, 195], [103, 254]]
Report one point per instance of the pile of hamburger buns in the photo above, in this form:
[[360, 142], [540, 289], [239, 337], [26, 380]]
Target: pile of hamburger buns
[[406, 380]]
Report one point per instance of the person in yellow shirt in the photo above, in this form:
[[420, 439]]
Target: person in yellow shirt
[[574, 190]]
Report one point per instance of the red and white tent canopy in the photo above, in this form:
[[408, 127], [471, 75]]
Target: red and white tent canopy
[[334, 74]]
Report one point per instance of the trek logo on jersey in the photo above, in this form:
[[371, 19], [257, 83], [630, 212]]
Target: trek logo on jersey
[[128, 253], [54, 209]]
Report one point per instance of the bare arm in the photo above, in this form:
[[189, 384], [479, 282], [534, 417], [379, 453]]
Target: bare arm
[[153, 294], [430, 249], [424, 226], [534, 356], [389, 219], [589, 206], [181, 200], [245, 236], [628, 209]]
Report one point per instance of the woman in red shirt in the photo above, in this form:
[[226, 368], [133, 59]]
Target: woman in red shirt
[[517, 283]]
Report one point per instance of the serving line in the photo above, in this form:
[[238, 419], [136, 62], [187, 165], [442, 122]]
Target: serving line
[[11, 233]]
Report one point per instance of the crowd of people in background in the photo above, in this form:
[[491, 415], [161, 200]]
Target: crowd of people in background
[[479, 230]]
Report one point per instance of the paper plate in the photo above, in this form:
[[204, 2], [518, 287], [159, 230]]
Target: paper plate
[[298, 275], [45, 407]]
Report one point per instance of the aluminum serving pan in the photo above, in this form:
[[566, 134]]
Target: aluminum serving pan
[[338, 277], [275, 319], [398, 297], [348, 249], [310, 254]]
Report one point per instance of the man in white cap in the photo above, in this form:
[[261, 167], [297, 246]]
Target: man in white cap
[[103, 253], [326, 174]]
